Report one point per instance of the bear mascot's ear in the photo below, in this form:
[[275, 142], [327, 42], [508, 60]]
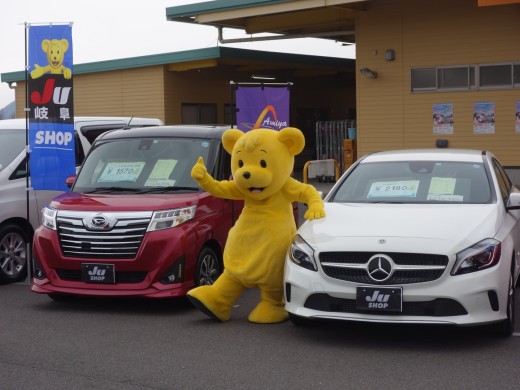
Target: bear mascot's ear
[[293, 139], [230, 138]]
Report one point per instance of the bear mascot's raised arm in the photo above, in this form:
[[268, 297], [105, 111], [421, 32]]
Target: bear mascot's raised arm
[[262, 161]]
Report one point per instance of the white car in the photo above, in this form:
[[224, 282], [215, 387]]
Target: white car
[[17, 204], [412, 236]]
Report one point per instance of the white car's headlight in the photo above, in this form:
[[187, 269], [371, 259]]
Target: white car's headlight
[[49, 217], [302, 254], [170, 218], [482, 255]]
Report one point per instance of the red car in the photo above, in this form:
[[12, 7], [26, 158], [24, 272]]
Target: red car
[[135, 223]]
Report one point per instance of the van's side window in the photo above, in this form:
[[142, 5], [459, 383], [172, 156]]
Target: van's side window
[[79, 153], [20, 171]]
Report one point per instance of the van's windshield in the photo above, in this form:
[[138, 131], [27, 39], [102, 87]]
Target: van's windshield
[[12, 143], [143, 165]]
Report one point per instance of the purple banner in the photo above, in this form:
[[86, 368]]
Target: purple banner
[[262, 107], [51, 115]]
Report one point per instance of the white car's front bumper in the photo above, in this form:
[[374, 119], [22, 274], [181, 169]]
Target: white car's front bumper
[[470, 299]]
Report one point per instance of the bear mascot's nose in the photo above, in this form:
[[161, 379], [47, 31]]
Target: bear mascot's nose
[[246, 175]]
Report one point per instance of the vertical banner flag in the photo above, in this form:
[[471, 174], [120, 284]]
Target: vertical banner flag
[[51, 116], [262, 106]]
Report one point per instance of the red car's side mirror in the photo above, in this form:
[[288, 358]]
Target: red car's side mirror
[[69, 181]]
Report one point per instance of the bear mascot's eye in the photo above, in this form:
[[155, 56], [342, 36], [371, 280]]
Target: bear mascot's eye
[[263, 164], [240, 163]]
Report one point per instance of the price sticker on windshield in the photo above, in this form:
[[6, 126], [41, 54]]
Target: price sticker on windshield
[[394, 189], [121, 171]]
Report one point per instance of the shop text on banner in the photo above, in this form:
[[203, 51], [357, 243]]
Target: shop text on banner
[[51, 115], [262, 107]]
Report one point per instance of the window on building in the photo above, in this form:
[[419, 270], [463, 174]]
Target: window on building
[[424, 79], [464, 77], [455, 77], [516, 75], [496, 75], [199, 113]]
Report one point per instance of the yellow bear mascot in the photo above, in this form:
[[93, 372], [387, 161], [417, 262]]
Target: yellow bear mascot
[[262, 161]]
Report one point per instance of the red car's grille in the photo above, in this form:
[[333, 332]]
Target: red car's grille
[[122, 241], [120, 277]]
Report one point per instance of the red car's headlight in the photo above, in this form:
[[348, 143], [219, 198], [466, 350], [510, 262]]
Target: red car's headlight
[[170, 218]]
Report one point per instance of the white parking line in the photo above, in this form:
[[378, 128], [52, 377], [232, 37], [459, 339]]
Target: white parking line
[[516, 334]]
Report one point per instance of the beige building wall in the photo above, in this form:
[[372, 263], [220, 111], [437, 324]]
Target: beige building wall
[[159, 93], [129, 92], [424, 34]]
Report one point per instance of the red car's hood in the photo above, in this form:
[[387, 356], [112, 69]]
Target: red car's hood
[[126, 202]]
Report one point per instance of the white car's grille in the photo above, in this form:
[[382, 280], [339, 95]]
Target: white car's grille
[[405, 268], [122, 241]]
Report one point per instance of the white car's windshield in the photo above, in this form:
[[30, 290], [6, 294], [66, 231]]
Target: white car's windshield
[[415, 182], [151, 165]]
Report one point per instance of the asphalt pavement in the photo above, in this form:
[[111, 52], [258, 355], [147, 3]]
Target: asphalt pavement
[[134, 344]]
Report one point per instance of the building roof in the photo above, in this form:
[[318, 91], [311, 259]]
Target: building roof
[[330, 19], [254, 60]]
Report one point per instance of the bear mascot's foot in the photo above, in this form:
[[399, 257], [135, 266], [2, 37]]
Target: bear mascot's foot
[[206, 300], [268, 313], [216, 301]]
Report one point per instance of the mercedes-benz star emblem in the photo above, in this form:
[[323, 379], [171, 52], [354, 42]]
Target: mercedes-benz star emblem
[[380, 268]]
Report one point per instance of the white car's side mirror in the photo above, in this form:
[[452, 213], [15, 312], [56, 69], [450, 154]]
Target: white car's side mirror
[[513, 201]]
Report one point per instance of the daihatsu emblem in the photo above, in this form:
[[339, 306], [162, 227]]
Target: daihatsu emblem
[[99, 222]]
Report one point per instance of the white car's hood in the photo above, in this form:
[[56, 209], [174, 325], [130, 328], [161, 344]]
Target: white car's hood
[[401, 227]]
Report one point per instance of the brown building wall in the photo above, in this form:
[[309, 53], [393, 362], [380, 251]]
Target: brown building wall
[[205, 86], [424, 34]]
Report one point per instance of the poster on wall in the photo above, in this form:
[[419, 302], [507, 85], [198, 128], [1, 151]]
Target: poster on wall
[[51, 115], [262, 106], [484, 118], [443, 118], [517, 117]]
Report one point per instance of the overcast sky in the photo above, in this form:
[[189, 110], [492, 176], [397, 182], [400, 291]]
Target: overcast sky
[[114, 29]]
